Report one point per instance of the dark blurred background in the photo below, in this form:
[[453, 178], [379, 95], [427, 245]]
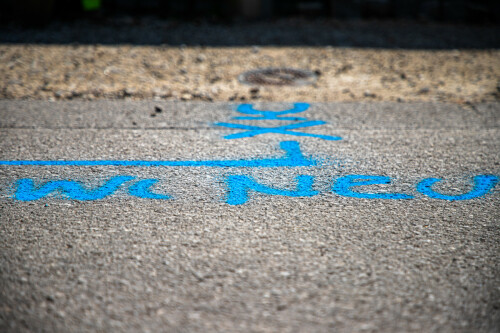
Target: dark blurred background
[[36, 12]]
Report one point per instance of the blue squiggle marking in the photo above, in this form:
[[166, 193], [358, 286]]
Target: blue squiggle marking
[[26, 190], [271, 115], [239, 186], [483, 184], [293, 158], [142, 189], [344, 184]]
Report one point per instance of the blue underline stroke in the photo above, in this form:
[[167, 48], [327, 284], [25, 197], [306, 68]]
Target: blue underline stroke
[[293, 158]]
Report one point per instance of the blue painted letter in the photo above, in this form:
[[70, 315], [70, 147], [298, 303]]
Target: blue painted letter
[[482, 185], [343, 187], [26, 190], [141, 189], [240, 185]]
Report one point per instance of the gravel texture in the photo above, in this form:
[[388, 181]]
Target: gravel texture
[[168, 60]]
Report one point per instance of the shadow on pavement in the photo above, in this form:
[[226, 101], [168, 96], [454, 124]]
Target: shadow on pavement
[[148, 30]]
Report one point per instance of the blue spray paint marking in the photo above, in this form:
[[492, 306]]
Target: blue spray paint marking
[[483, 184], [26, 190], [286, 129], [142, 188], [343, 187], [251, 131], [293, 158], [271, 115], [240, 185]]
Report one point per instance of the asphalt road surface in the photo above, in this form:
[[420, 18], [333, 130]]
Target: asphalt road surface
[[177, 217]]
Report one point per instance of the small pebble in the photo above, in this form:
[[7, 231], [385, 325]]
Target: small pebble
[[424, 90], [201, 58], [285, 274], [186, 97], [127, 92], [281, 307]]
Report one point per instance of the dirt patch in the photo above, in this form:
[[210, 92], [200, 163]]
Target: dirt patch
[[143, 57], [211, 73]]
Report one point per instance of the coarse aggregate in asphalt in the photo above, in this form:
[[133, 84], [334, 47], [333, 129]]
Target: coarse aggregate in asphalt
[[195, 263]]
